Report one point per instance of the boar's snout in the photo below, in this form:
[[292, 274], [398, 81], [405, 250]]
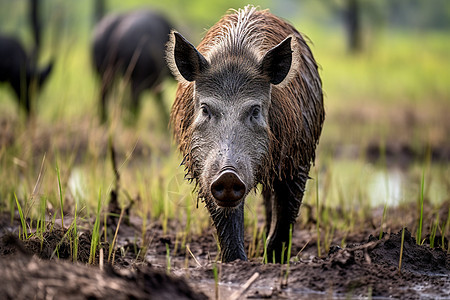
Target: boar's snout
[[228, 189]]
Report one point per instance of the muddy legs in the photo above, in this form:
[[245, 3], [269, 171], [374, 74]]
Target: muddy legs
[[230, 231], [282, 205]]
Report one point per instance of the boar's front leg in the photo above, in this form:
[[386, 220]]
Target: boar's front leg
[[229, 224], [285, 200]]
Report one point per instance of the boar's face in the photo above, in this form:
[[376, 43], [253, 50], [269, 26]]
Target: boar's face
[[230, 129]]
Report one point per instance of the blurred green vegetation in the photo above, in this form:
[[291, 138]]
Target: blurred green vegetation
[[404, 60], [396, 89]]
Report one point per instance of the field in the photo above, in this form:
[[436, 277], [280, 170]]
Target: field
[[99, 210]]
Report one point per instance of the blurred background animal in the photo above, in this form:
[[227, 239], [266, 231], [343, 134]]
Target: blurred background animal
[[19, 68], [131, 45]]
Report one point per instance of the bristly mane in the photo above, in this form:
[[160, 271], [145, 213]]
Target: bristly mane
[[248, 32], [238, 33]]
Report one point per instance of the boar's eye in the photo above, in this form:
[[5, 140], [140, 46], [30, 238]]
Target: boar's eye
[[255, 112], [205, 110]]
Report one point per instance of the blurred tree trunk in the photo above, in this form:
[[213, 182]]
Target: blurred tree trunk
[[353, 25]]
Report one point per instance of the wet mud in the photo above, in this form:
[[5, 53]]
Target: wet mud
[[368, 268]]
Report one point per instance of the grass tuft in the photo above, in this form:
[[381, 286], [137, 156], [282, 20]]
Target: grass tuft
[[382, 220], [61, 198], [318, 215], [401, 250], [75, 235], [22, 220], [216, 281], [286, 275], [96, 231], [419, 230], [265, 259]]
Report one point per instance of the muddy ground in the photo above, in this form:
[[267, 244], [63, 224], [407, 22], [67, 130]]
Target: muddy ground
[[366, 267]]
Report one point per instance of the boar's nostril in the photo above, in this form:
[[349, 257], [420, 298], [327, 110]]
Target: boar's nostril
[[228, 189]]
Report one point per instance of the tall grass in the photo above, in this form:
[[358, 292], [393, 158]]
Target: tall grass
[[434, 227], [96, 231], [383, 218], [265, 255], [445, 232], [113, 244], [41, 222], [22, 220], [419, 229], [401, 250], [318, 215], [61, 197], [75, 235], [288, 261], [216, 281]]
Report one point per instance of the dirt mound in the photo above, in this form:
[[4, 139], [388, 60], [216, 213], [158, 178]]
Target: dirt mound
[[415, 258], [26, 277], [52, 244]]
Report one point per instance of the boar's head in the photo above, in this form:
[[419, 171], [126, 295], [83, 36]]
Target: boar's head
[[230, 140]]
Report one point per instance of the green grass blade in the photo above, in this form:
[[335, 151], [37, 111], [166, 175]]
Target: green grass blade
[[95, 231], [22, 219], [318, 215], [419, 230], [75, 236], [42, 223], [401, 250], [288, 254], [61, 198], [382, 220], [216, 281], [168, 258], [265, 259]]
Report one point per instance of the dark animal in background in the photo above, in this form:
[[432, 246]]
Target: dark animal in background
[[17, 69], [21, 72], [20, 69], [131, 45], [248, 110]]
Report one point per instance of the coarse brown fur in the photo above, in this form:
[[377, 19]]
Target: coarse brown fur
[[296, 114]]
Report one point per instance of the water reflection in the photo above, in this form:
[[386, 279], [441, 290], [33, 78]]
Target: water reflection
[[386, 187], [77, 185], [342, 182], [350, 182]]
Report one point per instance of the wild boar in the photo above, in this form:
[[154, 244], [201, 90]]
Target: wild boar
[[131, 45], [248, 111], [20, 71]]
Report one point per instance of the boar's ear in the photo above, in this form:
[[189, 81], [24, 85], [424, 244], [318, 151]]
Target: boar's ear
[[277, 62], [184, 59]]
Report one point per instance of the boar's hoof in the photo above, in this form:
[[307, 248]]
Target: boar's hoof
[[228, 189]]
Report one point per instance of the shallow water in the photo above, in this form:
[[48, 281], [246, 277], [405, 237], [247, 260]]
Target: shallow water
[[226, 290], [362, 183]]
